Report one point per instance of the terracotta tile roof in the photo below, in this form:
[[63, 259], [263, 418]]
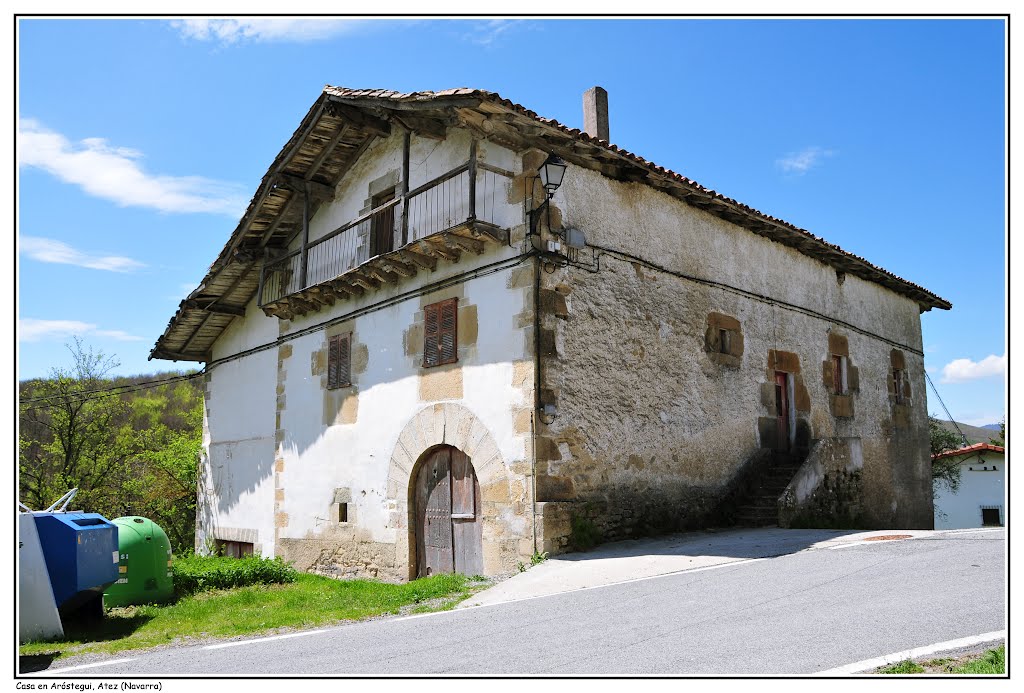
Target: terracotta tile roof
[[970, 450], [584, 137]]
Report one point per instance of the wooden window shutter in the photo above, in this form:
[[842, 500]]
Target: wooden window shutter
[[339, 362], [440, 333], [430, 335], [837, 374]]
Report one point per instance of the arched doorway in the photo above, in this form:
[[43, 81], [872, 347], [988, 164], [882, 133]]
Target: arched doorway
[[446, 514]]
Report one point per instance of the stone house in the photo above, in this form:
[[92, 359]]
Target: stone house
[[419, 360]]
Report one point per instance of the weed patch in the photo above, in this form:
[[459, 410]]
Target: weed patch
[[584, 533], [904, 667], [203, 573], [990, 662]]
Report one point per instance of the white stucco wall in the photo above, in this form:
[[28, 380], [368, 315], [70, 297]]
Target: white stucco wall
[[319, 458], [978, 488], [237, 486]]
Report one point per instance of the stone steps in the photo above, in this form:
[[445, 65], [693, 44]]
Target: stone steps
[[760, 508]]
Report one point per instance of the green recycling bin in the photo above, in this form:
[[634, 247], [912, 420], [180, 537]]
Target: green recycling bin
[[144, 571]]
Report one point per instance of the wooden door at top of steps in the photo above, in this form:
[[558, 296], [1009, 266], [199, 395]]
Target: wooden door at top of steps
[[448, 524], [782, 409]]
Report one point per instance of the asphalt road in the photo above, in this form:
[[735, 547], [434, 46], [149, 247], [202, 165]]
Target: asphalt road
[[800, 613]]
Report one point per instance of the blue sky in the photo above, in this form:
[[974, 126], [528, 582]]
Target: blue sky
[[142, 140]]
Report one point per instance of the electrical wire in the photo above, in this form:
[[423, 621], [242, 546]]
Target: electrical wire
[[963, 438]]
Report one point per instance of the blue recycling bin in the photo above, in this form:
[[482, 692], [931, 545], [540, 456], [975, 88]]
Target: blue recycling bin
[[81, 556]]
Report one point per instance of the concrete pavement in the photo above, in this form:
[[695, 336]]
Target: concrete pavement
[[637, 559]]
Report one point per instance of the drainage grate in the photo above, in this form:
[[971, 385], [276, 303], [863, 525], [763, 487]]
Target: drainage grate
[[887, 537]]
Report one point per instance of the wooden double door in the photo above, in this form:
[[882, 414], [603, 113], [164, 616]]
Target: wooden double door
[[447, 515]]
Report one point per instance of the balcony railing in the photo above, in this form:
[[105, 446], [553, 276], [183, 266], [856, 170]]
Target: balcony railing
[[471, 192]]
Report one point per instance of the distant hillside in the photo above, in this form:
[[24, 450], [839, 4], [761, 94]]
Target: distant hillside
[[975, 434], [991, 427]]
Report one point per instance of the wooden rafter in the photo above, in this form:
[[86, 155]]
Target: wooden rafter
[[285, 209], [213, 308], [326, 151]]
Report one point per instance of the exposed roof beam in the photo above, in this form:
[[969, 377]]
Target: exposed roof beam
[[212, 308], [326, 152], [362, 120], [277, 220], [176, 356], [298, 184]]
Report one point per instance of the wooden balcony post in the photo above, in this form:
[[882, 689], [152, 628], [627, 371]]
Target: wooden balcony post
[[405, 186], [263, 274], [305, 236], [472, 179]]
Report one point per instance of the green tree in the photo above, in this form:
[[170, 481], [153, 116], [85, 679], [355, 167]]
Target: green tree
[[128, 451], [945, 471], [67, 434]]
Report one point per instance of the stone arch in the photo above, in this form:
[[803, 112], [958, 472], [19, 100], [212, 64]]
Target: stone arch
[[449, 423]]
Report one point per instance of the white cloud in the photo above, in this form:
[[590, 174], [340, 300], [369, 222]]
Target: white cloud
[[33, 330], [49, 250], [486, 33], [801, 162], [114, 173], [962, 370], [264, 29]]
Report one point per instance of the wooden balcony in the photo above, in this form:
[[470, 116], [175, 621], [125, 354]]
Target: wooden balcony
[[457, 212]]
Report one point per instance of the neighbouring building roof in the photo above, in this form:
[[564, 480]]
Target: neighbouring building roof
[[342, 123], [970, 450]]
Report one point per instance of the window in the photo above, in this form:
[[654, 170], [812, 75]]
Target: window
[[342, 512], [897, 380], [724, 341], [440, 328], [839, 374], [339, 361], [990, 517], [234, 549]]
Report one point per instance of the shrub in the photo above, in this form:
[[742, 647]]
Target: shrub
[[194, 574], [584, 533]]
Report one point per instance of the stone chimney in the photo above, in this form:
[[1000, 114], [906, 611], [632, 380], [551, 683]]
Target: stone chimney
[[595, 113]]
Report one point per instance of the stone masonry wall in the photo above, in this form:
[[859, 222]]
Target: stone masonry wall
[[663, 385]]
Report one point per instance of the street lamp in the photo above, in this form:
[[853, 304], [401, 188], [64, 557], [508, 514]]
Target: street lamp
[[550, 173]]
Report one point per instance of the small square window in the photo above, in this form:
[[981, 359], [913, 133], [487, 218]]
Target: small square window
[[234, 549], [724, 341], [990, 517]]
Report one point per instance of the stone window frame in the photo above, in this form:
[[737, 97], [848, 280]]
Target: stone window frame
[[231, 548], [898, 380], [445, 318], [339, 361], [341, 506], [840, 377], [723, 339], [898, 384]]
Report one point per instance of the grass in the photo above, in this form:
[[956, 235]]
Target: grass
[[904, 667], [309, 601], [990, 662]]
